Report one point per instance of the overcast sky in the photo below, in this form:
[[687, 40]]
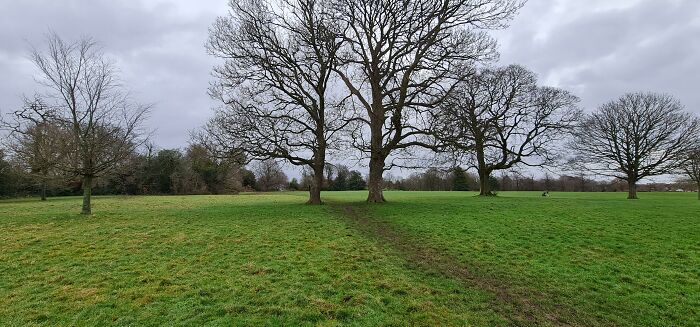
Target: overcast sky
[[597, 49]]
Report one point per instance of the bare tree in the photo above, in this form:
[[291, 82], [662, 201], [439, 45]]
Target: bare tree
[[402, 58], [82, 90], [34, 139], [500, 118], [270, 176], [274, 84], [637, 136], [692, 167]]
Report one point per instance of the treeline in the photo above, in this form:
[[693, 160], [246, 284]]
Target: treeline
[[458, 179], [194, 170], [337, 178], [171, 171]]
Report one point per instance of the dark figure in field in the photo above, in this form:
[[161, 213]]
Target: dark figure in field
[[545, 193]]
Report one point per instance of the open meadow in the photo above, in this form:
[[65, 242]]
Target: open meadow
[[423, 258]]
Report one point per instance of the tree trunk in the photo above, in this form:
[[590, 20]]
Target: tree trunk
[[484, 185], [632, 193], [376, 169], [315, 187], [87, 194], [43, 189]]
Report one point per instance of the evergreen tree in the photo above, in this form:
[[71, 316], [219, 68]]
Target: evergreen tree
[[249, 180], [340, 183], [459, 179], [294, 185], [356, 181], [494, 185]]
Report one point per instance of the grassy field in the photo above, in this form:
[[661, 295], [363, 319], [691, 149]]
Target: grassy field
[[421, 259]]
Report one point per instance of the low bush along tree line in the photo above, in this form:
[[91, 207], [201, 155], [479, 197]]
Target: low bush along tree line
[[305, 80]]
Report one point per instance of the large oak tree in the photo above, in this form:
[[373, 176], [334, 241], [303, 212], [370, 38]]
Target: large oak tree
[[400, 59], [275, 83], [499, 118], [636, 136]]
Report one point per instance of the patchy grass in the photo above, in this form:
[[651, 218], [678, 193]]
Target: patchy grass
[[244, 260], [569, 259], [421, 259]]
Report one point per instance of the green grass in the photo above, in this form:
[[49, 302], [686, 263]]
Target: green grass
[[421, 259]]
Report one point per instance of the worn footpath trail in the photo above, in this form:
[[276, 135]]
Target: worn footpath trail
[[518, 307]]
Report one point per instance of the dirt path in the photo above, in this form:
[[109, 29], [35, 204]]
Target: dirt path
[[519, 309]]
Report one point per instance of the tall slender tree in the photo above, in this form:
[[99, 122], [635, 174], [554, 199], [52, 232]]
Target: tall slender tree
[[637, 136], [103, 125], [401, 59], [275, 83]]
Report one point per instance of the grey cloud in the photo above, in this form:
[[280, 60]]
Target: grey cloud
[[598, 49], [600, 54], [158, 47]]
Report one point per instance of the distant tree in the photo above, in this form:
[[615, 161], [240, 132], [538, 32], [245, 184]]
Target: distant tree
[[459, 179], [517, 176], [431, 179], [582, 181], [400, 60], [220, 174], [340, 182], [637, 136], [128, 177], [163, 168], [35, 140], [12, 180], [328, 178], [411, 182], [692, 167], [6, 178], [248, 179], [306, 179], [500, 118], [294, 185], [280, 56], [356, 182], [434, 180], [84, 95], [547, 182], [494, 184], [204, 170], [269, 176], [574, 183]]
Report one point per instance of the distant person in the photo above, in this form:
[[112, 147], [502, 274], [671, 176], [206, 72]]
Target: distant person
[[545, 193]]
